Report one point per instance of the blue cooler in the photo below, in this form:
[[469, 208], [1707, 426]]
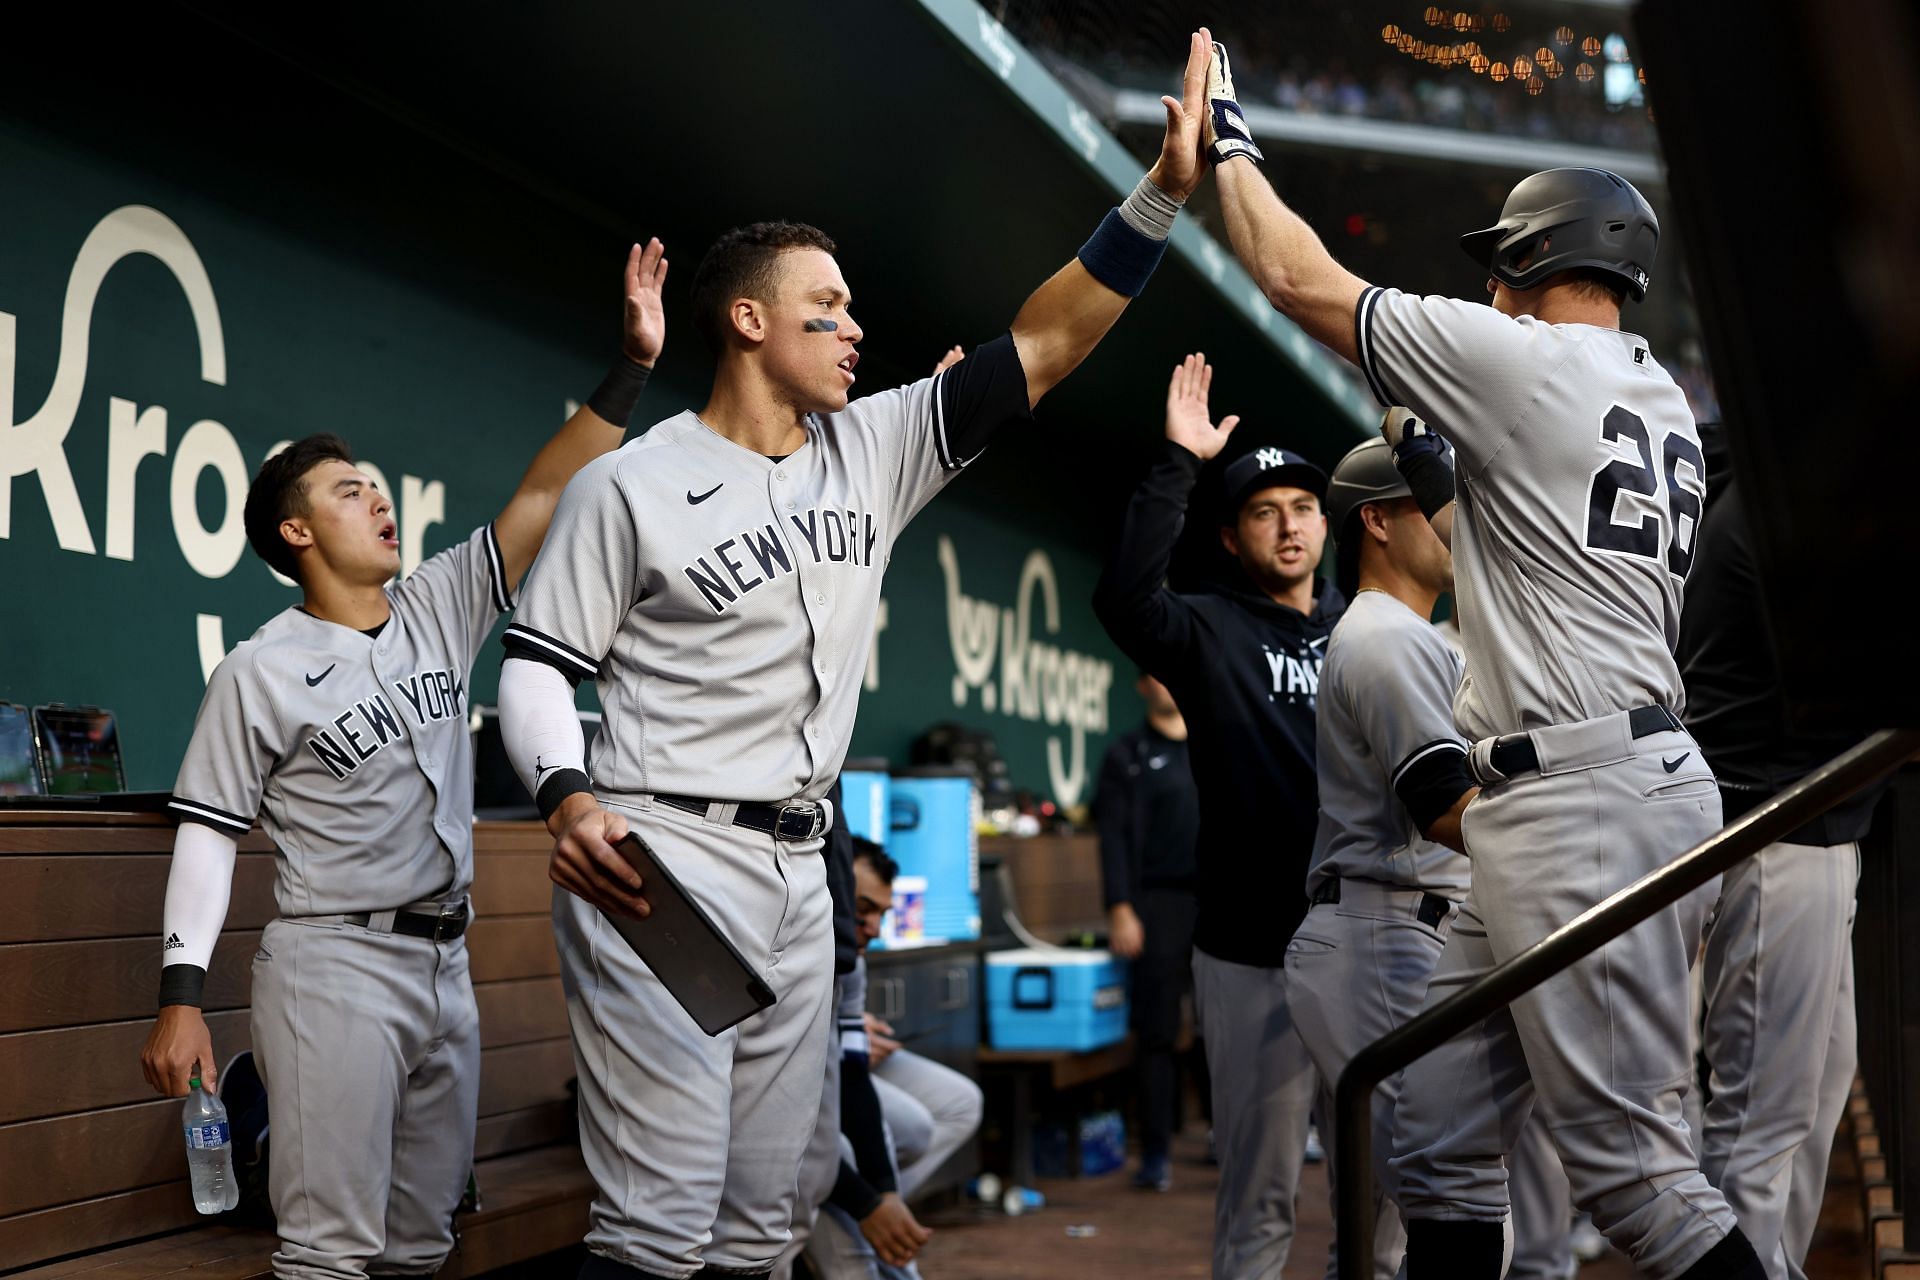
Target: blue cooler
[[933, 811], [865, 792], [1066, 999]]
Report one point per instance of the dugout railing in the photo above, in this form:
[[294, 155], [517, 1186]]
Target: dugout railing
[[1844, 776]]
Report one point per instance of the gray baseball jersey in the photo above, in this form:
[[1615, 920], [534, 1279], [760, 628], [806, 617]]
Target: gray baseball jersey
[[724, 601], [1386, 706], [1569, 569], [353, 749]]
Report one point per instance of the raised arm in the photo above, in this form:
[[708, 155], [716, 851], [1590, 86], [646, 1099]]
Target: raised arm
[[1151, 624], [597, 426], [1278, 249], [1066, 317], [1425, 460]]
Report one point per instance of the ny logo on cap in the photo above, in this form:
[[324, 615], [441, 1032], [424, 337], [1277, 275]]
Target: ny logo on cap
[[1270, 457]]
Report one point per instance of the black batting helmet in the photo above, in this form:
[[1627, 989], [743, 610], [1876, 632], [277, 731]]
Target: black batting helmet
[[1366, 474], [1596, 220]]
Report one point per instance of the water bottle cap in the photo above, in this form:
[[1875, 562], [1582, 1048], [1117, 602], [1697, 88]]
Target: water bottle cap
[[194, 1083]]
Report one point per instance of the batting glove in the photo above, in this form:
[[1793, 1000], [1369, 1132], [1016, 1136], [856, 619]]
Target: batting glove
[[1227, 134], [1423, 456]]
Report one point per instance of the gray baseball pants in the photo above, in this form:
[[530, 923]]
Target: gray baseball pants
[[1264, 1088], [369, 1046], [1542, 1207], [1605, 1046], [930, 1110], [1357, 969], [1779, 1037], [695, 1141]]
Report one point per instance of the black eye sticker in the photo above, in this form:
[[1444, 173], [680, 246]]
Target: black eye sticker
[[821, 326]]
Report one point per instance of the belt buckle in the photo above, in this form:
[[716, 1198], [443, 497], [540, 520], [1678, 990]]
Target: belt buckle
[[451, 922], [816, 816]]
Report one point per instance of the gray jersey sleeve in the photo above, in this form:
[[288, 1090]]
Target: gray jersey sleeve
[[464, 589], [586, 578], [1401, 697], [928, 431], [237, 740], [1470, 371]]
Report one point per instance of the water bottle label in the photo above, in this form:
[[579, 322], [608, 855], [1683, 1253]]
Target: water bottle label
[[206, 1137]]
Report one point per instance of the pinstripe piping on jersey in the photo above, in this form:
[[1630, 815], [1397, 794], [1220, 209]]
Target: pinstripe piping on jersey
[[217, 818], [497, 572], [553, 652], [1420, 753], [1363, 342], [941, 445]]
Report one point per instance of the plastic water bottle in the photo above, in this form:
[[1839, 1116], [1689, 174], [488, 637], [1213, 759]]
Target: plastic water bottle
[[1017, 1200], [209, 1152]]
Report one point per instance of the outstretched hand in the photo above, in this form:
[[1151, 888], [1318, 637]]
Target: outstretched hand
[[1188, 424], [1182, 164], [645, 332]]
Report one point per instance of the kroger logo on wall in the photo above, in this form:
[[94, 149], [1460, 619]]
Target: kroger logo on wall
[[1037, 680], [36, 446]]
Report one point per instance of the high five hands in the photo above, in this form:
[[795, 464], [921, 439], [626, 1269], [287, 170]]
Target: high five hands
[[1188, 424], [644, 332]]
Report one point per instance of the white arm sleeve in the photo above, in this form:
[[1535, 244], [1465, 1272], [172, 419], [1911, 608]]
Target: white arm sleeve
[[199, 886], [538, 722]]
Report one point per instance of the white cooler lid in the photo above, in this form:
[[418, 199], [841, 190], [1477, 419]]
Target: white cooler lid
[[1065, 957]]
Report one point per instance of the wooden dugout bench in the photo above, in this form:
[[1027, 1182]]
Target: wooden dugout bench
[[93, 1175]]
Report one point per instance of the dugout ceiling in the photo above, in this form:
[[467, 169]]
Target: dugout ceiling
[[906, 128]]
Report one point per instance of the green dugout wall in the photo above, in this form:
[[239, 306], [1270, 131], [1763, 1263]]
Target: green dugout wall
[[260, 236]]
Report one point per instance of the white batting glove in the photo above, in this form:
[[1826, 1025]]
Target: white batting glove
[[1227, 134]]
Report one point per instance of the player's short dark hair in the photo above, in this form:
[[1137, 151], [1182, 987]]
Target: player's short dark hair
[[280, 492], [1591, 282], [741, 265], [876, 857]]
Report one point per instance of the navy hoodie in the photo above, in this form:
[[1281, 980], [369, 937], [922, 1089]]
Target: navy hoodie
[[1245, 670]]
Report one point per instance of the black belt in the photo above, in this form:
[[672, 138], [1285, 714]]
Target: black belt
[[1515, 754], [449, 924], [795, 820], [1433, 907]]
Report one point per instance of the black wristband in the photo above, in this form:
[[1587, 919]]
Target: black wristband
[[1430, 479], [182, 984], [613, 400], [556, 787]]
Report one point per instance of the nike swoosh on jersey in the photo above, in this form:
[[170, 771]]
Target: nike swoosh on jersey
[[693, 501], [1675, 763], [314, 680]]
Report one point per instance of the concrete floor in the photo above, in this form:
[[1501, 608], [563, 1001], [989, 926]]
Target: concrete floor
[[1141, 1233]]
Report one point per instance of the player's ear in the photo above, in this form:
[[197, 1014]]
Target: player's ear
[[1373, 518], [1230, 540], [296, 532], [748, 320]]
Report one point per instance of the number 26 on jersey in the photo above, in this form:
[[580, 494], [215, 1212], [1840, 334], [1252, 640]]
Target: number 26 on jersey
[[1684, 474]]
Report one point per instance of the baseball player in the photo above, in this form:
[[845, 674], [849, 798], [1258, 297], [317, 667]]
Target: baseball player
[[1385, 880], [1778, 971], [1580, 483], [1244, 666], [718, 580], [1147, 811], [342, 726], [931, 1109]]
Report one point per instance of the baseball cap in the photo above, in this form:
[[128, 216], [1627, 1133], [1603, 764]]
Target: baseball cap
[[1265, 468]]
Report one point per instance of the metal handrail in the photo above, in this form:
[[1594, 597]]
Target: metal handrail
[[1834, 782]]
